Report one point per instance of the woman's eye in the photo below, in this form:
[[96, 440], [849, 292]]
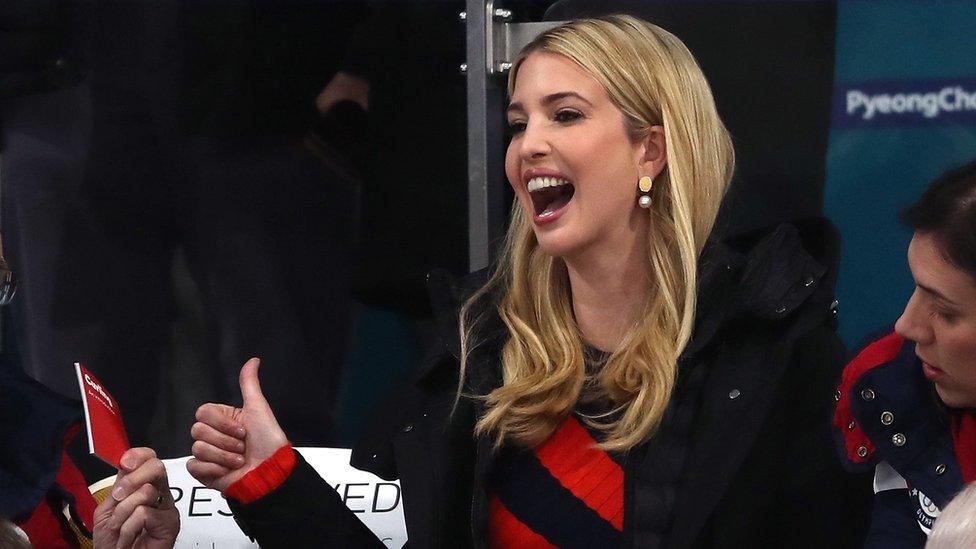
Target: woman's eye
[[516, 126], [948, 316], [568, 116]]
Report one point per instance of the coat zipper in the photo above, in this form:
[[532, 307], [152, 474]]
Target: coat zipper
[[628, 531], [476, 490]]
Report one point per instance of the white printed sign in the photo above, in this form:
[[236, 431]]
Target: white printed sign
[[206, 521]]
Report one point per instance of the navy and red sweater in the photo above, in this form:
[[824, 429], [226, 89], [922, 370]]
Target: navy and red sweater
[[564, 493]]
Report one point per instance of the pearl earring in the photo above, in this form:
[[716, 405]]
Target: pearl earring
[[644, 186]]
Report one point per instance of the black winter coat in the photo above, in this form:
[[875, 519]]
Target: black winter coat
[[760, 470]]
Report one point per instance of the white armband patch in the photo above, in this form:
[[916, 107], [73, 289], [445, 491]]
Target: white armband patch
[[886, 478]]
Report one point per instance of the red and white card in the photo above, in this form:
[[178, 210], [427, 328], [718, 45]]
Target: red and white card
[[103, 419]]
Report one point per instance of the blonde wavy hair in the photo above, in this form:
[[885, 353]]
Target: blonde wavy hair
[[654, 80]]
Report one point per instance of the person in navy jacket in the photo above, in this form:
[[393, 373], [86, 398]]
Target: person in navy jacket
[[906, 404]]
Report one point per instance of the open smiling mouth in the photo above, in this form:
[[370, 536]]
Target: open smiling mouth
[[549, 195]]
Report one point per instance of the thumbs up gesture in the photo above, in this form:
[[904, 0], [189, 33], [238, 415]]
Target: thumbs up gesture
[[228, 441]]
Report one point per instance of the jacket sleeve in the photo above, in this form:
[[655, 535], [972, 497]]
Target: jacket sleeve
[[893, 523], [303, 512]]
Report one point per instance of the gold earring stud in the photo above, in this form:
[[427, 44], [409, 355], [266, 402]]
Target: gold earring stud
[[645, 183]]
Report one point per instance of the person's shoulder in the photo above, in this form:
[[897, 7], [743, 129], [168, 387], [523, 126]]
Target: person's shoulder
[[448, 293], [427, 396], [878, 349], [780, 271], [814, 236], [883, 370]]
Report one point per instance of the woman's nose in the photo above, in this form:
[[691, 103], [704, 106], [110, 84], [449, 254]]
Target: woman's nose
[[914, 323], [535, 142]]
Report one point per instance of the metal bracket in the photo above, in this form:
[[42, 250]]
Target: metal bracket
[[505, 39], [510, 38], [493, 41]]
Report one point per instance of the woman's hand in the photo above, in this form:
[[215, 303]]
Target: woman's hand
[[228, 441], [140, 512]]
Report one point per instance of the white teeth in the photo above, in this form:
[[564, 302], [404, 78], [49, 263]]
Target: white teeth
[[537, 183]]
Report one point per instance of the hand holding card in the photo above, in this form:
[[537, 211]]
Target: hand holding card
[[103, 419]]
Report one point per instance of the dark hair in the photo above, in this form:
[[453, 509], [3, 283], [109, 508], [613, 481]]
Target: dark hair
[[947, 210]]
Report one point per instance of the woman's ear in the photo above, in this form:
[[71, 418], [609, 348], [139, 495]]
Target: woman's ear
[[655, 152]]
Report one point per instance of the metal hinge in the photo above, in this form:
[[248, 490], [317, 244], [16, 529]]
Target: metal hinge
[[504, 39]]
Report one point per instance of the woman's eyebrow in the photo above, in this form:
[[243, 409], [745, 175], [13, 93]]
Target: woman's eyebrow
[[553, 97], [936, 294], [548, 100]]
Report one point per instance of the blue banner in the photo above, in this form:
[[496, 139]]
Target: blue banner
[[904, 111], [904, 103]]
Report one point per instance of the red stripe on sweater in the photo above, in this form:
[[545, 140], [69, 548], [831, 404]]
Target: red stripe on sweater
[[571, 456], [508, 532]]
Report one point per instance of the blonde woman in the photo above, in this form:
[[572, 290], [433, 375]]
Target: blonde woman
[[619, 379]]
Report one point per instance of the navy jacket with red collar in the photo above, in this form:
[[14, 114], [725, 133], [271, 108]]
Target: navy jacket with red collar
[[889, 418]]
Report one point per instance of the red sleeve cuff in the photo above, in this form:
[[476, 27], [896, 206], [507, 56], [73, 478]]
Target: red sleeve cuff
[[265, 478]]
